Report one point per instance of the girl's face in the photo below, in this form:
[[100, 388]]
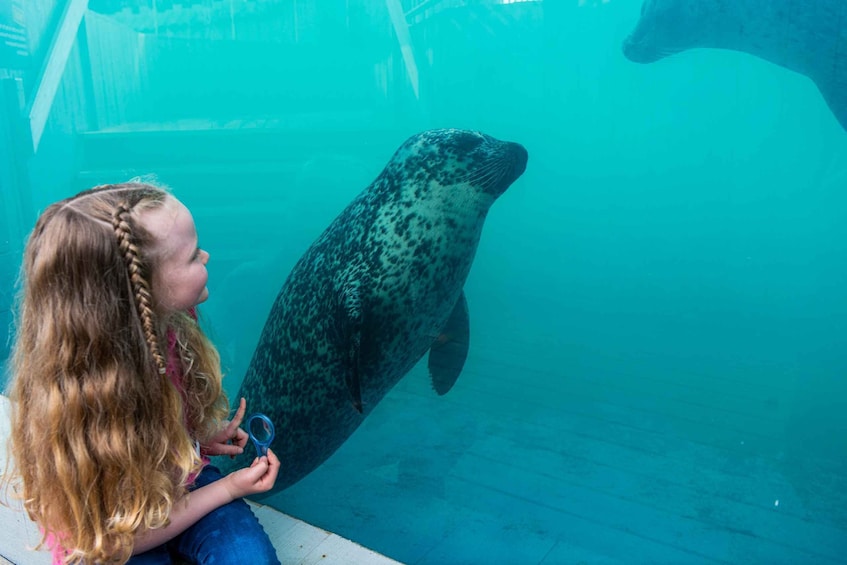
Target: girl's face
[[179, 270]]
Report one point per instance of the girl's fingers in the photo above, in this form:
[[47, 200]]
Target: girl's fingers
[[224, 449], [237, 419], [273, 470], [241, 438], [273, 460]]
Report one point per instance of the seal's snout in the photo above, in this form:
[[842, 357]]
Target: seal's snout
[[629, 50], [521, 157], [636, 46], [508, 162], [637, 52]]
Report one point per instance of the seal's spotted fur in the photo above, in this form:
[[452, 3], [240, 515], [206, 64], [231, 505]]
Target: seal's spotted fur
[[380, 286]]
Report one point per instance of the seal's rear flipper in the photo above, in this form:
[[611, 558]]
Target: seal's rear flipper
[[448, 352]]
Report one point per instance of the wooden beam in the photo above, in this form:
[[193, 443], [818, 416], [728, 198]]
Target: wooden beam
[[401, 29], [425, 5], [54, 67]]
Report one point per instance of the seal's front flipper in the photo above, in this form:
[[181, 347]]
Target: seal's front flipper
[[353, 332], [448, 352]]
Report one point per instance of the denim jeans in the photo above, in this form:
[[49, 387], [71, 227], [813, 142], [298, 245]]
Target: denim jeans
[[229, 535]]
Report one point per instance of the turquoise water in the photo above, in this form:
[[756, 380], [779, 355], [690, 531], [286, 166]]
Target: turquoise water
[[656, 372]]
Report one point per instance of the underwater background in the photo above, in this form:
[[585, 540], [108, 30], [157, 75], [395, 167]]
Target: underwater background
[[658, 307]]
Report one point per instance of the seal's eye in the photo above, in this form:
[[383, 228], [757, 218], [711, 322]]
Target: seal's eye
[[467, 143]]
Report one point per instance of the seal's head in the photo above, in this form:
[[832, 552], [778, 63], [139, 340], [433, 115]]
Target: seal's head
[[667, 27], [455, 159]]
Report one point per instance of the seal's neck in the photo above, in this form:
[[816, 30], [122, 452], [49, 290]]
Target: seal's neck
[[777, 31]]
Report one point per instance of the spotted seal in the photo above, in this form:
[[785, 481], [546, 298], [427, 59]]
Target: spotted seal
[[800, 35], [376, 291]]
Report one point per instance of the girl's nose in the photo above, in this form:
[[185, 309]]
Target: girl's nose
[[204, 256]]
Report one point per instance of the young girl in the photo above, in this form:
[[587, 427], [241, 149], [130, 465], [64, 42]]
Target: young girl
[[116, 392]]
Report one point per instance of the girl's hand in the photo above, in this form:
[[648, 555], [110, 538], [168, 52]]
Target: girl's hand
[[231, 439], [258, 477]]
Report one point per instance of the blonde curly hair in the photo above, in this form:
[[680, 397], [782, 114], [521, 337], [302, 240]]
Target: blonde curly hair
[[102, 442]]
